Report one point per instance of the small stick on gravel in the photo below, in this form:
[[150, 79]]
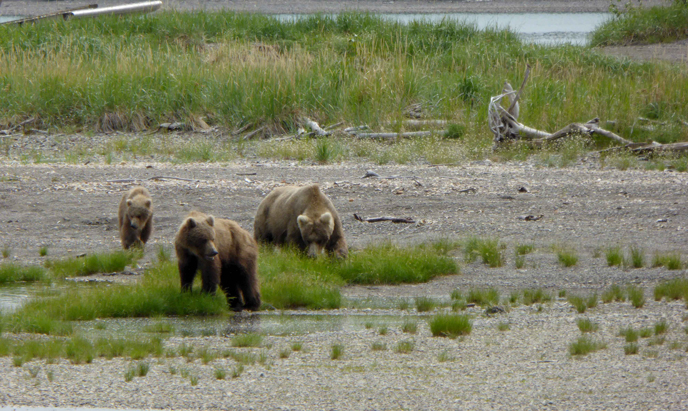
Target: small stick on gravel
[[396, 220]]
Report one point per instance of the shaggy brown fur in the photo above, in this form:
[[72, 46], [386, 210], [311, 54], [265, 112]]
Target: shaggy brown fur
[[135, 217], [303, 216], [226, 255]]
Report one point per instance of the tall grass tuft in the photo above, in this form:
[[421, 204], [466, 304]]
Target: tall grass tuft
[[614, 256], [567, 258], [585, 345], [636, 295], [535, 296], [483, 296], [489, 250], [613, 293], [587, 326], [671, 261], [93, 263], [675, 289], [11, 273], [450, 325]]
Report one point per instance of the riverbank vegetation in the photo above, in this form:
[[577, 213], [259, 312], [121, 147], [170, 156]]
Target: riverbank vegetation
[[247, 71], [640, 25]]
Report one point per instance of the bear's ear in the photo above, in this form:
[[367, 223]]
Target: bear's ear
[[210, 220], [303, 220], [190, 222], [148, 203], [129, 203], [327, 220]]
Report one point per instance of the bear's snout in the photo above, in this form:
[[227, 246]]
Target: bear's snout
[[315, 249], [210, 256], [133, 225]]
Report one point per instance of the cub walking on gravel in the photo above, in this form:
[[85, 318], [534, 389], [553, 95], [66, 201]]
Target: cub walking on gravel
[[135, 217]]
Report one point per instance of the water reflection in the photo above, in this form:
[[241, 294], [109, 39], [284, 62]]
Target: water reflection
[[243, 322]]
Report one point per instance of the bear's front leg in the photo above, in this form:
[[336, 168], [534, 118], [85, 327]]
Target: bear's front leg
[[210, 274], [188, 265]]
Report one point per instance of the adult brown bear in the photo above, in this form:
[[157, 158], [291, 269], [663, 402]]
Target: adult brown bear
[[135, 217], [302, 216], [226, 255]]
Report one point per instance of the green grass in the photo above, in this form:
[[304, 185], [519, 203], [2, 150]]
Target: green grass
[[675, 289], [6, 250], [93, 263], [336, 352], [535, 296], [12, 273], [631, 348], [296, 346], [404, 347], [483, 296], [613, 293], [645, 332], [157, 294], [489, 250], [43, 251], [409, 326], [584, 345], [503, 326], [629, 334], [582, 304], [567, 258], [378, 346], [289, 279], [135, 72], [80, 350], [247, 340], [640, 25], [637, 258], [587, 326], [671, 261], [523, 249], [220, 373], [614, 256], [636, 295], [661, 327], [450, 325], [424, 304]]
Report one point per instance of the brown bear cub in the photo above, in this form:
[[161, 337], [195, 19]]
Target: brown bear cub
[[303, 216], [225, 253], [135, 217]]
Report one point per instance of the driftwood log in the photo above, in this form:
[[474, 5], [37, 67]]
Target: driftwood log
[[396, 220], [506, 128]]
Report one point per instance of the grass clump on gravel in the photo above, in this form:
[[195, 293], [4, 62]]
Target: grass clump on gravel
[[93, 263], [247, 340], [567, 257], [584, 345], [483, 296], [675, 289], [489, 250], [424, 304], [450, 325], [671, 261], [13, 273], [636, 295], [581, 304], [614, 256], [587, 326], [536, 296], [336, 351], [80, 350], [613, 293]]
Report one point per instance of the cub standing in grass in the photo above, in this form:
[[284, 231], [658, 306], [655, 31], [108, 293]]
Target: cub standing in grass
[[225, 253], [302, 216], [135, 217]]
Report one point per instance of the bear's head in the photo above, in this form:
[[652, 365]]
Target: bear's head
[[198, 236], [316, 232], [139, 211]]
